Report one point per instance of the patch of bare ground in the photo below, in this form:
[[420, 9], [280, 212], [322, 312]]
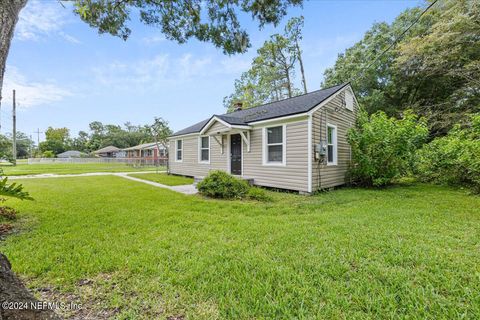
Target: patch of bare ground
[[86, 302], [92, 295], [15, 299]]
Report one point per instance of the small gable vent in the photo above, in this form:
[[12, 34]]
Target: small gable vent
[[348, 100]]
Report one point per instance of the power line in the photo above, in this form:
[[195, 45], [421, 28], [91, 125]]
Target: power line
[[395, 41]]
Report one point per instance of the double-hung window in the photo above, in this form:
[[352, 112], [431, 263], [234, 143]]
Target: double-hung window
[[204, 152], [331, 144], [179, 151], [274, 145]]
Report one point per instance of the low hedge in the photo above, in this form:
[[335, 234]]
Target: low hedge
[[221, 185]]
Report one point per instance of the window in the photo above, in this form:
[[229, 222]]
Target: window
[[204, 153], [348, 100], [179, 155], [274, 148], [331, 144]]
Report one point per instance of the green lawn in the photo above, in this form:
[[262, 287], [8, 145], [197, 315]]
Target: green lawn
[[405, 252], [163, 178], [70, 168]]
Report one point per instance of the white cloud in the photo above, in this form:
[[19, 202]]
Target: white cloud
[[140, 73], [69, 38], [30, 94], [235, 64], [190, 67], [154, 39], [42, 19], [163, 69], [326, 46]]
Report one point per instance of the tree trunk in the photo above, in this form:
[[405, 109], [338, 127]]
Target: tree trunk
[[299, 52], [9, 10], [277, 96], [13, 290], [289, 84]]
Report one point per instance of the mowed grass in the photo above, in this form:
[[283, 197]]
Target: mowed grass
[[404, 252], [71, 168], [163, 178]]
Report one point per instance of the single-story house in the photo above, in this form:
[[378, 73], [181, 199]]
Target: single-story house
[[71, 154], [110, 152], [298, 143], [145, 150]]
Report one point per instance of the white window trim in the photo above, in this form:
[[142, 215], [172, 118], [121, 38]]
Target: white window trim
[[335, 145], [265, 161], [200, 149], [176, 149]]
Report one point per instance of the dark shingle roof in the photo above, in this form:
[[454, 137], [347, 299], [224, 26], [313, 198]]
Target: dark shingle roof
[[296, 105], [195, 128], [108, 149]]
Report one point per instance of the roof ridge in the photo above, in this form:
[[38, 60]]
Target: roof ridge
[[304, 103], [300, 95]]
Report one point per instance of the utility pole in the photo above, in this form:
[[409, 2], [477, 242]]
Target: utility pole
[[14, 147], [31, 146], [38, 136]]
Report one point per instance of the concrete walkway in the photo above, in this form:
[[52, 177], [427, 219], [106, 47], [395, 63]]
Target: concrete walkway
[[185, 189], [69, 175]]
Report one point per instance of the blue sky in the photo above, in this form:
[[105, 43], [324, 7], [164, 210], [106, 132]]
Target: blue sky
[[66, 75]]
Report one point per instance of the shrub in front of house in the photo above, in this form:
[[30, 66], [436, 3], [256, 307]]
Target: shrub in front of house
[[255, 193], [219, 184], [453, 159], [383, 148]]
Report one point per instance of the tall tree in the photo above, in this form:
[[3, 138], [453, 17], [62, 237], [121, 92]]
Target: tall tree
[[433, 68], [441, 68], [9, 10], [271, 76], [293, 31], [57, 140], [214, 21], [251, 90]]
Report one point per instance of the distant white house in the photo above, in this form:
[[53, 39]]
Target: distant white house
[[110, 152], [71, 154]]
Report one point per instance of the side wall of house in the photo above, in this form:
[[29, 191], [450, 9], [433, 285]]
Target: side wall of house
[[292, 176], [190, 166], [334, 113]]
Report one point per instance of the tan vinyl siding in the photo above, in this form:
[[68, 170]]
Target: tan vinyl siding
[[334, 112], [217, 126], [190, 165], [292, 176]]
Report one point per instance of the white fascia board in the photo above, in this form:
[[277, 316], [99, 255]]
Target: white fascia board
[[212, 121]]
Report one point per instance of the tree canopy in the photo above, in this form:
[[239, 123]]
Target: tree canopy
[[215, 21], [434, 69], [271, 75]]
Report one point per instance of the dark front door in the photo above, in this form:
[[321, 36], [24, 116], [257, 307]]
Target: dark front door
[[236, 154]]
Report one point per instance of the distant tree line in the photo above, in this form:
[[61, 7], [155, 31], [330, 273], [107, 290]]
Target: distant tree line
[[25, 146], [58, 140], [99, 135]]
